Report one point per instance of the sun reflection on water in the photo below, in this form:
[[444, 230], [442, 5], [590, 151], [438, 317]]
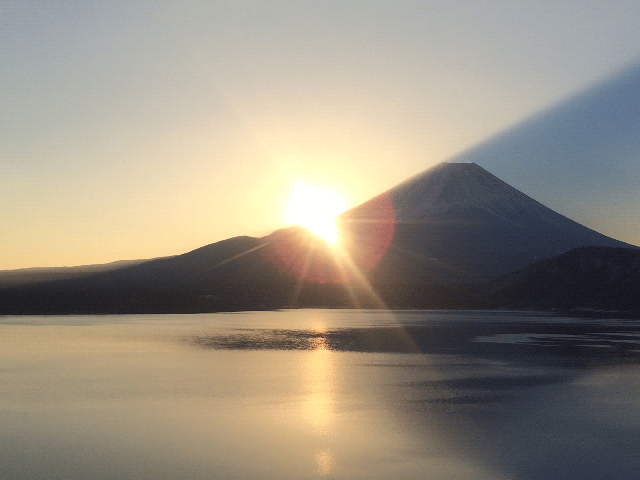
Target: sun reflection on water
[[319, 399], [319, 343], [318, 403], [324, 461]]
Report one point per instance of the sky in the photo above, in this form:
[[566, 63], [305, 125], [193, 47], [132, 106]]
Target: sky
[[150, 128]]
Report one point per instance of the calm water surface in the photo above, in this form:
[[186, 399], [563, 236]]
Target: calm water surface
[[320, 394]]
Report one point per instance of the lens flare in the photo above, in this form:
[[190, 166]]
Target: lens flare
[[315, 208]]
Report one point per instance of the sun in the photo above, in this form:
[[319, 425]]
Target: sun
[[315, 208]]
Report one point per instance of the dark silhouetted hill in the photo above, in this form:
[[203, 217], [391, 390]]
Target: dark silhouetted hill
[[596, 278]]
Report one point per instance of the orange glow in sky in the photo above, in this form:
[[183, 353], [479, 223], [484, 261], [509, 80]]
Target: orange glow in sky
[[149, 129], [315, 208]]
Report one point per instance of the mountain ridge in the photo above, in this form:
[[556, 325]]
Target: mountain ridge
[[583, 278], [429, 242]]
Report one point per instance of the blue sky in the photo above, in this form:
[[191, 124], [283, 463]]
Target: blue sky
[[143, 129]]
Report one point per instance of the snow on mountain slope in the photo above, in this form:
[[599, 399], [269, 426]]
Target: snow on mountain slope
[[459, 187], [456, 222]]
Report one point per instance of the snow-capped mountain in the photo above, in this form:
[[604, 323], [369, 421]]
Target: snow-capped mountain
[[456, 222]]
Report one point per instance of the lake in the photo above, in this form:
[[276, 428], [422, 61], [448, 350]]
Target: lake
[[320, 394]]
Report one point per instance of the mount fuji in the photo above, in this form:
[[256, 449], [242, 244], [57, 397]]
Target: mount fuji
[[458, 223]]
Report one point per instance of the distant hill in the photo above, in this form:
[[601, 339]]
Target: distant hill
[[597, 278], [24, 276], [290, 267]]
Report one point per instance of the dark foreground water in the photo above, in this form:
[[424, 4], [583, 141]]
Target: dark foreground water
[[320, 394]]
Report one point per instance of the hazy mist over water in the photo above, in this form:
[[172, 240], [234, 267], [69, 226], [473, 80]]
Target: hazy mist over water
[[320, 394]]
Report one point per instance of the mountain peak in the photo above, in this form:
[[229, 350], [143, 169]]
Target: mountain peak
[[465, 190]]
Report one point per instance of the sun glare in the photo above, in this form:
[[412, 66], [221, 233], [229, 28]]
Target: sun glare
[[315, 208]]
